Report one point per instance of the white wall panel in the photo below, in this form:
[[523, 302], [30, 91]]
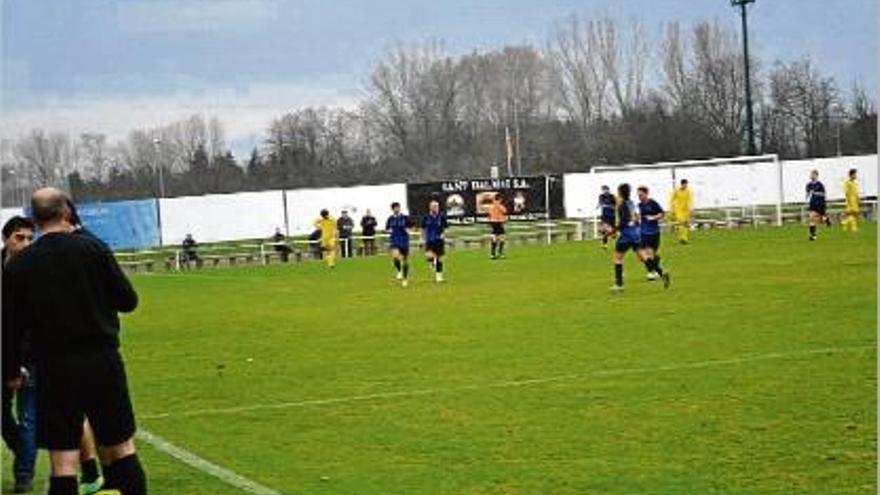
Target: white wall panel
[[7, 213], [304, 205], [832, 173], [221, 217]]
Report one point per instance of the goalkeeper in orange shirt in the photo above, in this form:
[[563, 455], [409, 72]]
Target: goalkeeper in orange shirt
[[497, 218]]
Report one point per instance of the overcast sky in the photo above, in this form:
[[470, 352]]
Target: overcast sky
[[112, 65]]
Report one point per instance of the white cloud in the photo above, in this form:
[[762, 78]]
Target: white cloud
[[243, 113]]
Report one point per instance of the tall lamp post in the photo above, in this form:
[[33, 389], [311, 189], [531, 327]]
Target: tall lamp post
[[156, 143], [750, 121]]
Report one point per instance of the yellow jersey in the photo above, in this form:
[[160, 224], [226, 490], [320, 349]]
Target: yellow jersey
[[327, 226], [682, 202], [851, 193]]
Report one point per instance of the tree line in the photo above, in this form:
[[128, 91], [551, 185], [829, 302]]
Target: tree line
[[596, 92]]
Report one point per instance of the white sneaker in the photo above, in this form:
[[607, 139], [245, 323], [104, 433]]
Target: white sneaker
[[399, 276], [616, 288], [439, 277], [653, 275], [405, 283]]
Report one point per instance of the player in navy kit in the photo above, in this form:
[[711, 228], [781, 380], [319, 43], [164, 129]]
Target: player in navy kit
[[629, 235], [607, 204], [816, 200], [650, 213], [434, 226], [397, 226]]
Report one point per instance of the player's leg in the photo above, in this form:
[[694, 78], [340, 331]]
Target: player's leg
[[814, 220], [404, 262], [621, 247], [90, 477], [493, 252], [59, 424], [684, 230], [439, 252], [501, 240], [396, 261], [111, 417], [26, 455], [330, 255]]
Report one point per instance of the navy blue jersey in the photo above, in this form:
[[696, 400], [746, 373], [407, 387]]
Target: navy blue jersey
[[626, 222], [650, 207], [397, 225], [607, 202], [434, 226], [816, 194]]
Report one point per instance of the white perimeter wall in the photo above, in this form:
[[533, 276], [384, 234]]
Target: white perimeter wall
[[582, 190], [721, 186], [832, 173], [7, 213], [222, 217], [305, 205]]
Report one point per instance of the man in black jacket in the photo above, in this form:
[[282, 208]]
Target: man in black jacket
[[69, 289], [368, 230], [346, 227], [18, 429]]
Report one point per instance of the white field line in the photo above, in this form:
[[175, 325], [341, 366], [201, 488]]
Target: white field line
[[512, 383], [229, 477]]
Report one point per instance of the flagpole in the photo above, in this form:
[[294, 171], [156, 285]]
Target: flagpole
[[509, 151]]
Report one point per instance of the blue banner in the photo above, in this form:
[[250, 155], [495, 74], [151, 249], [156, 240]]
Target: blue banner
[[123, 224]]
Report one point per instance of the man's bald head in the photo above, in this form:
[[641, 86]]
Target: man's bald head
[[49, 205]]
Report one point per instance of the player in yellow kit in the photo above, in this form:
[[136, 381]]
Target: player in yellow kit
[[681, 205], [851, 211], [327, 225]]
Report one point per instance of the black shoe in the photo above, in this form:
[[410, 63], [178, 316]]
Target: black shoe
[[23, 486], [812, 238]]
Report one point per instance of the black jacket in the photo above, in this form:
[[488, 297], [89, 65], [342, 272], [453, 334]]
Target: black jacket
[[66, 290], [368, 225]]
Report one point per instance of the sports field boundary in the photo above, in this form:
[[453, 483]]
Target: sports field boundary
[[194, 461], [513, 383]]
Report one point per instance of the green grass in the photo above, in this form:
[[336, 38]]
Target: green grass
[[628, 411]]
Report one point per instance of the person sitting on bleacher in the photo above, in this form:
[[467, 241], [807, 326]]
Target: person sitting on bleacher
[[280, 242], [189, 250]]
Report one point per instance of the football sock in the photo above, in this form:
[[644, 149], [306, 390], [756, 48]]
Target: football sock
[[63, 485], [501, 247], [649, 265], [812, 231], [438, 265], [127, 476], [494, 244], [397, 264], [618, 274], [89, 471], [655, 263], [405, 270], [604, 239]]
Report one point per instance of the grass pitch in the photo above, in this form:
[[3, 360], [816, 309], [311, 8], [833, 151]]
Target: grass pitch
[[754, 374]]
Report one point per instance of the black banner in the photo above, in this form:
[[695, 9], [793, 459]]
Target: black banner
[[466, 200]]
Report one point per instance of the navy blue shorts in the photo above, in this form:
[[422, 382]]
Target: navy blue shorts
[[401, 248], [628, 241], [818, 208], [437, 247], [651, 241], [608, 220]]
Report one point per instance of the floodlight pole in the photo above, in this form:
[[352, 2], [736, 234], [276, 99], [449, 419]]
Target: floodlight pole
[[156, 144], [750, 121]]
